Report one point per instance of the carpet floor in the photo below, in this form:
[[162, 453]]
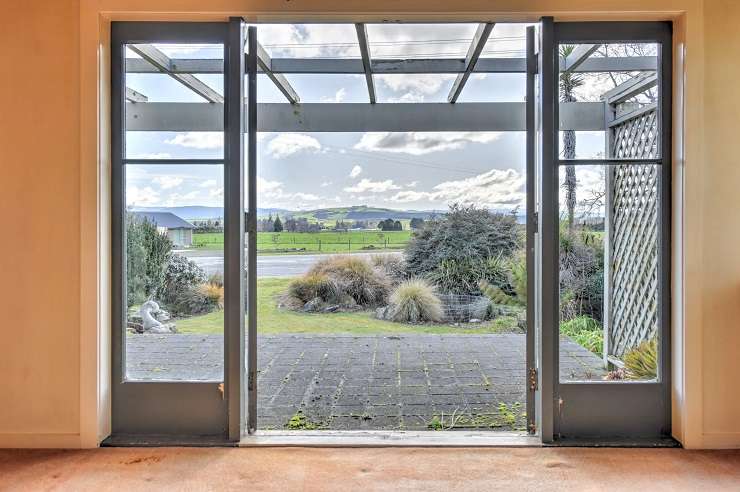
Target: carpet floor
[[428, 469]]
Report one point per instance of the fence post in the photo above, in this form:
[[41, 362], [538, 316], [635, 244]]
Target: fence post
[[349, 245]]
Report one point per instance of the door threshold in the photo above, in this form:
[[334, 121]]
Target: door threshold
[[335, 439]]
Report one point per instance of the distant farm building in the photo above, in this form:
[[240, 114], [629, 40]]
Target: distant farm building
[[179, 230]]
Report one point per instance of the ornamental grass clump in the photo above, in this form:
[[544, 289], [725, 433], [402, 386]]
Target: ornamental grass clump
[[313, 285], [642, 361], [586, 332], [415, 301], [356, 278]]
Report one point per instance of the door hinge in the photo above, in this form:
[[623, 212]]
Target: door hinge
[[532, 428], [536, 221], [533, 379], [250, 382]]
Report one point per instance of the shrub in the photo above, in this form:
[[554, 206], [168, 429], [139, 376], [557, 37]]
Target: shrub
[[147, 255], [313, 285], [465, 275], [192, 301], [392, 266], [214, 293], [581, 275], [414, 301], [516, 273], [453, 250], [216, 279], [182, 275], [642, 361], [586, 332], [354, 277]]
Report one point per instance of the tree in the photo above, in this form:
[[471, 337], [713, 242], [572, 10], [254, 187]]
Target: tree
[[569, 81], [397, 226], [277, 226], [463, 247], [383, 225], [416, 223], [290, 224], [148, 253]]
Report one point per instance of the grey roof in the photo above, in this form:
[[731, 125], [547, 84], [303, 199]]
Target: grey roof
[[166, 219]]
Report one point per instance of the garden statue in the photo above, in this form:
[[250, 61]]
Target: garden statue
[[151, 324]]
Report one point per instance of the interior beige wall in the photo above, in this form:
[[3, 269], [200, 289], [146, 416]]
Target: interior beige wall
[[721, 226], [53, 198], [40, 209]]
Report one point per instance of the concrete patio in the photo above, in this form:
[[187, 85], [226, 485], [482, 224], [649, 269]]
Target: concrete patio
[[345, 382]]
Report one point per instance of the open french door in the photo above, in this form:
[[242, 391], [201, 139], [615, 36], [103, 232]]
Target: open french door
[[601, 229], [203, 400]]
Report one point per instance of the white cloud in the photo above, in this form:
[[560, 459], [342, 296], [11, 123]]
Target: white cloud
[[412, 184], [272, 194], [168, 182], [365, 185], [421, 84], [152, 155], [409, 97], [179, 199], [496, 188], [216, 192], [208, 183], [419, 143], [198, 140], [265, 186], [325, 184], [141, 197], [356, 171], [338, 97], [287, 144], [306, 196]]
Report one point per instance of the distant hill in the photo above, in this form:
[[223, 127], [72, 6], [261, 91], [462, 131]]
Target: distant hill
[[196, 212], [360, 212]]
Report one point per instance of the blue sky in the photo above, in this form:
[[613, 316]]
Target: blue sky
[[419, 171]]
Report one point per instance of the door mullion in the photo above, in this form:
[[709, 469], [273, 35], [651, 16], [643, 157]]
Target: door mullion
[[252, 229], [234, 229]]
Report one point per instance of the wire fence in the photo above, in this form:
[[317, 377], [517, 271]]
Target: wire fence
[[463, 308]]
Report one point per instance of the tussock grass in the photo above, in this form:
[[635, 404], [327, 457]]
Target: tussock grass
[[354, 277], [415, 301]]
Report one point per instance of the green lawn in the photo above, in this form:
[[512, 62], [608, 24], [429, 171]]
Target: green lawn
[[314, 242], [272, 320]]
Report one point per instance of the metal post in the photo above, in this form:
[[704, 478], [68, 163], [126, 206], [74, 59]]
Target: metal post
[[531, 148], [549, 275], [234, 229], [252, 229]]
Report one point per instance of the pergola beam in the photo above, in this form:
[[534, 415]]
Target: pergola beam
[[366, 63], [631, 88], [471, 58], [264, 62], [361, 117], [134, 96], [579, 55], [390, 66], [164, 64]]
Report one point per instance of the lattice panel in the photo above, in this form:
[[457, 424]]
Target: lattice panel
[[633, 239], [636, 138]]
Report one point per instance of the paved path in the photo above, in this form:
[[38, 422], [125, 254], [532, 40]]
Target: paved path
[[267, 265], [369, 382]]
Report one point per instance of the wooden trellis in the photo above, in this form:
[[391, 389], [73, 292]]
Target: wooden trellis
[[631, 274]]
